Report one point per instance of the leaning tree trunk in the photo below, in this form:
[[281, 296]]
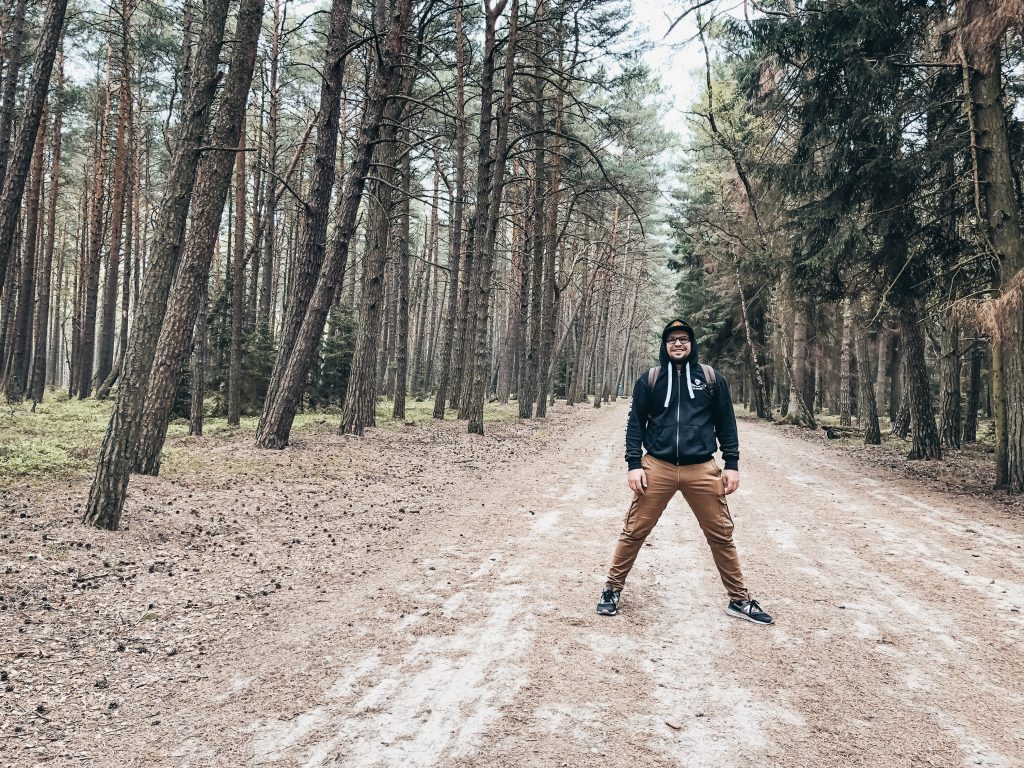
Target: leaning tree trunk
[[190, 289], [281, 406], [14, 31], [312, 251], [117, 453], [17, 167], [359, 408]]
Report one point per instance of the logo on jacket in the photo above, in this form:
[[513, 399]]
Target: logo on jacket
[[698, 384]]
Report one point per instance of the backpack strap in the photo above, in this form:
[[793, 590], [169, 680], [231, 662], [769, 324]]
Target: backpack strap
[[710, 378]]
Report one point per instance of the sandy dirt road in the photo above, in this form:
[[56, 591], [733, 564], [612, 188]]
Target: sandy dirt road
[[462, 631]]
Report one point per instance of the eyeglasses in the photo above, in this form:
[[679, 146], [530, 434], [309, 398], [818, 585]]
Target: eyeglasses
[[681, 342]]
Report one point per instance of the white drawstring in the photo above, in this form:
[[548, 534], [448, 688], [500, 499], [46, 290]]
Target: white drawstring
[[668, 390], [689, 383]]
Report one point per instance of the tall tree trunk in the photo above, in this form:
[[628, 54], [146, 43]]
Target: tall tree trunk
[[264, 323], [190, 288], [21, 338], [458, 208], [882, 369], [983, 27], [798, 411], [105, 360], [17, 167], [970, 434], [42, 353], [91, 279], [312, 251], [924, 436], [535, 226], [491, 182], [281, 406], [55, 358], [950, 414], [510, 349], [368, 360], [237, 289], [866, 385], [549, 313], [402, 248], [844, 365], [901, 422], [117, 452], [15, 29], [198, 363]]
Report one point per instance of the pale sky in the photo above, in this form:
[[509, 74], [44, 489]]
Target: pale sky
[[677, 57]]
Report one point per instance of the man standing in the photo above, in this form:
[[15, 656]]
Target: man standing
[[678, 412]]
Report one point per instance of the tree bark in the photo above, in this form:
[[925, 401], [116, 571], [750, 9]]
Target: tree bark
[[982, 39], [924, 436], [866, 385], [458, 209], [15, 28], [237, 289], [402, 329], [117, 452], [31, 114], [312, 251], [196, 410], [950, 414], [369, 358], [281, 405], [798, 412], [844, 366], [190, 288], [491, 182], [41, 354], [970, 434], [20, 340], [105, 360]]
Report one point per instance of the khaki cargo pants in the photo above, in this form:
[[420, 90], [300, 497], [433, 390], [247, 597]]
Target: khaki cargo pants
[[703, 489]]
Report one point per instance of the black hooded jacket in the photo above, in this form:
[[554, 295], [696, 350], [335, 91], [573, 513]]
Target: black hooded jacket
[[679, 420]]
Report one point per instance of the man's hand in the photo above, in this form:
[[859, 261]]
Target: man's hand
[[637, 480], [731, 478]]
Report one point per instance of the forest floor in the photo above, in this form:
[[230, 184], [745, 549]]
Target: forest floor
[[425, 597]]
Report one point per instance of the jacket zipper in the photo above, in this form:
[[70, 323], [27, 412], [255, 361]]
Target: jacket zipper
[[679, 398]]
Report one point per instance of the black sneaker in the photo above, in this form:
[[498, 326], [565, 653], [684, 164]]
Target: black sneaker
[[608, 605], [746, 609]]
